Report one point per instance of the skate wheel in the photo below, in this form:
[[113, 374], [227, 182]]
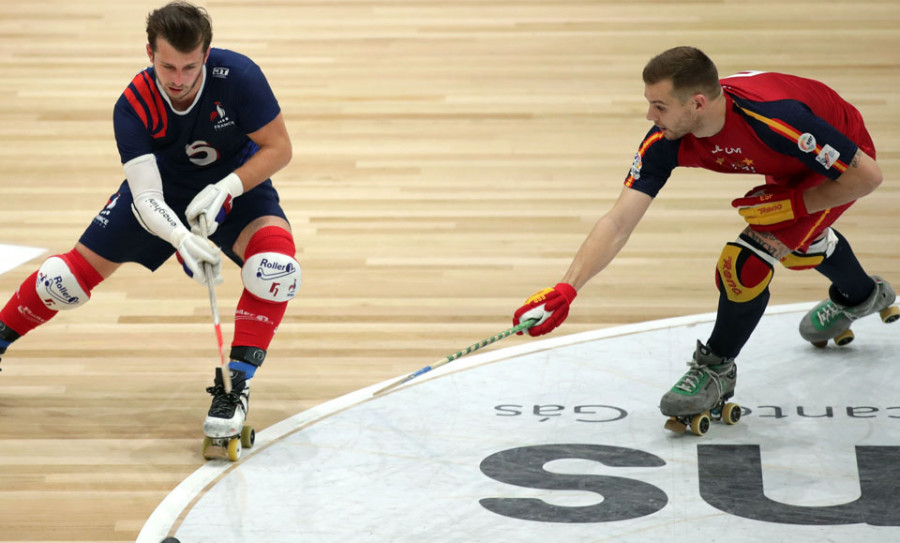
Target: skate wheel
[[731, 413], [207, 443], [844, 338], [234, 449], [819, 344], [248, 436], [890, 314], [700, 424], [674, 425]]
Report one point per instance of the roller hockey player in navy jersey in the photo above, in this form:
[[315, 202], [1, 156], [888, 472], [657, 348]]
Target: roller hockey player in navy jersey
[[817, 158], [200, 133]]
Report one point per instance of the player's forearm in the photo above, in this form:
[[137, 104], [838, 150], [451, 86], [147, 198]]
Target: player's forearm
[[602, 245], [264, 164], [862, 177]]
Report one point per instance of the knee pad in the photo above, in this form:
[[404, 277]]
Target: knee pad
[[58, 286], [270, 273], [743, 272], [814, 255], [272, 277]]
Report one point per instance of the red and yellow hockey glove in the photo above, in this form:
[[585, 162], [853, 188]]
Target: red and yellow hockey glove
[[771, 207], [549, 306]]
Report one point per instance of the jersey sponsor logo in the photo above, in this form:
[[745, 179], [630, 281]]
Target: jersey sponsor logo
[[201, 153], [806, 142], [828, 156], [220, 72], [727, 150]]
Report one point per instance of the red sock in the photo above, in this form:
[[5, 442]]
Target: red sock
[[26, 311], [256, 320]]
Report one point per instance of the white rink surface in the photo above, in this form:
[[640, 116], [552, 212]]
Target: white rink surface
[[405, 466]]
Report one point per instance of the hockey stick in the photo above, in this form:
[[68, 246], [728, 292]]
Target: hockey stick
[[459, 354], [214, 308]]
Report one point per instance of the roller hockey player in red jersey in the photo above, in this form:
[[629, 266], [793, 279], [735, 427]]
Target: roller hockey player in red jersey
[[817, 159]]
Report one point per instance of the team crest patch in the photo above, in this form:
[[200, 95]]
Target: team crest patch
[[219, 117], [807, 142], [828, 156], [636, 166]]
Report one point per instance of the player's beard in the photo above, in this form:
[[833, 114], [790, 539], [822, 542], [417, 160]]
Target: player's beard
[[185, 94], [683, 126]]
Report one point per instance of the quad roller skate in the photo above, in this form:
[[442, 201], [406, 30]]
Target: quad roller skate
[[702, 394], [224, 430], [831, 320]]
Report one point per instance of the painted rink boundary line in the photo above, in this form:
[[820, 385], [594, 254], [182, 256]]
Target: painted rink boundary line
[[179, 502]]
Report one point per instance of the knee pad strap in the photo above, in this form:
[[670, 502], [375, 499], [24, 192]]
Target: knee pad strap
[[742, 274], [814, 255]]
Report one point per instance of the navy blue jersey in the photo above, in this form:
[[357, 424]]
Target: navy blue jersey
[[793, 130], [193, 148], [202, 145]]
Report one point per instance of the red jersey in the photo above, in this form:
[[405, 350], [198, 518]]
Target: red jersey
[[790, 129]]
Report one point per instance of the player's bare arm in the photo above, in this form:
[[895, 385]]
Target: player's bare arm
[[609, 235], [274, 153], [862, 176]]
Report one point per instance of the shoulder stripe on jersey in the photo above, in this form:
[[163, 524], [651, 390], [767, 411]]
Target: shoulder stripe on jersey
[[650, 140], [136, 106], [149, 102], [790, 133]]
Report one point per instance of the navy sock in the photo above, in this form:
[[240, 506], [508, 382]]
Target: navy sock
[[850, 284]]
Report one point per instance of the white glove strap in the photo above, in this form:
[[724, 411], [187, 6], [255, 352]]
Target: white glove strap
[[232, 184]]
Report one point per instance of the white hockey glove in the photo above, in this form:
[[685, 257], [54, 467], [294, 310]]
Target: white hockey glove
[[200, 259], [212, 204]]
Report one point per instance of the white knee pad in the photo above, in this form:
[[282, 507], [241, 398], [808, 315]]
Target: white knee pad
[[58, 287], [273, 277]]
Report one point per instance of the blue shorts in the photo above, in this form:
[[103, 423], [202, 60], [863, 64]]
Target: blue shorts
[[116, 235]]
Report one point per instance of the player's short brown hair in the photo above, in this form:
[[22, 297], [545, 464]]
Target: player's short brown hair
[[182, 24], [691, 72]]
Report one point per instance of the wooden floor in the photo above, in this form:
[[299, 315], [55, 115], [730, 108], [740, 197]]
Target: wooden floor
[[449, 158]]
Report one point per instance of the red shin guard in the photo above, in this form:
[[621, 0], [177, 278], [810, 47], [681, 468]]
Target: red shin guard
[[26, 311], [255, 319]]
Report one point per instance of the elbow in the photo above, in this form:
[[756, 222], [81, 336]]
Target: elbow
[[287, 153], [875, 181]]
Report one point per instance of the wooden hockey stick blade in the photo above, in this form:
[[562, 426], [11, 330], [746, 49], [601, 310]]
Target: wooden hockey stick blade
[[459, 354]]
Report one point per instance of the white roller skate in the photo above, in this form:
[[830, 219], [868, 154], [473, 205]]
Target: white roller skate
[[831, 320], [224, 429], [702, 394]]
